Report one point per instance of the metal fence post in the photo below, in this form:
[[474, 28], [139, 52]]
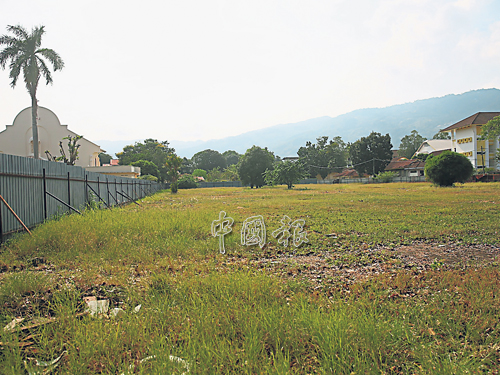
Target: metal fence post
[[69, 193], [44, 195]]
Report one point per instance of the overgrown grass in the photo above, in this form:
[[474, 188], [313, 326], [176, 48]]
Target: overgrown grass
[[232, 317]]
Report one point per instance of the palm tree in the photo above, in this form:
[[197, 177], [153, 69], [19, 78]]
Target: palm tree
[[25, 55]]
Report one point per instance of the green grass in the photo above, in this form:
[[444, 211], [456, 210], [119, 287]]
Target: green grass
[[229, 314]]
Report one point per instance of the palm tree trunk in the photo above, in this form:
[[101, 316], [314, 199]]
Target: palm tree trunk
[[34, 126]]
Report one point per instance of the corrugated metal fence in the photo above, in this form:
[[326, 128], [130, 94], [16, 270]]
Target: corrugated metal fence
[[38, 189]]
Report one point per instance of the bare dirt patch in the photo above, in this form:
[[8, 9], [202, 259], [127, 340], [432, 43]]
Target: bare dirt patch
[[339, 269]]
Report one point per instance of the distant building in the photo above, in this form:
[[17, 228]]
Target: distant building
[[434, 146], [404, 167], [117, 170], [465, 140], [17, 139]]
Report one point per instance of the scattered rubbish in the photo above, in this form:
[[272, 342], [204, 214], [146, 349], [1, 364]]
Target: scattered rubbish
[[180, 361], [172, 358], [32, 369], [12, 324], [137, 308], [95, 306], [117, 313]]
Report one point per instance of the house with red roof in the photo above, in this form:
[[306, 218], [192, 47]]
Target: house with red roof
[[406, 167]]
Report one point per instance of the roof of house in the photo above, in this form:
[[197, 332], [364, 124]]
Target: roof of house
[[403, 163], [436, 145], [479, 118]]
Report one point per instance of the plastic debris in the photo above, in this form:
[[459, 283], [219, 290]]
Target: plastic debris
[[49, 365], [172, 358], [137, 308], [12, 324], [117, 313], [95, 306], [180, 361]]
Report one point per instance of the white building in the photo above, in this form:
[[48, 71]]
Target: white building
[[432, 146], [465, 140], [17, 139]]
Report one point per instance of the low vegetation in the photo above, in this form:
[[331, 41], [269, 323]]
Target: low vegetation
[[395, 279]]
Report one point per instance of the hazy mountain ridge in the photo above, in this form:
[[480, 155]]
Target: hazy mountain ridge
[[427, 116]]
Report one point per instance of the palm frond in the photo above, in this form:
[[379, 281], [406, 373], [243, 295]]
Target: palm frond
[[8, 40], [36, 36], [45, 71], [18, 31], [25, 56], [6, 54], [52, 56], [15, 69]]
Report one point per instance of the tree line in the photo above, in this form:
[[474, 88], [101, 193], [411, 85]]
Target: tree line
[[259, 166]]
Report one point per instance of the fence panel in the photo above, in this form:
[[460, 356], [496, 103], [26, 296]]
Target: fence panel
[[22, 185]]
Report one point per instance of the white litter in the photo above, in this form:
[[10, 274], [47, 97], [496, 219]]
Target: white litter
[[171, 358], [49, 365], [95, 306], [12, 324]]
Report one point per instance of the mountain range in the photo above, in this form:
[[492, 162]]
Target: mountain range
[[427, 116]]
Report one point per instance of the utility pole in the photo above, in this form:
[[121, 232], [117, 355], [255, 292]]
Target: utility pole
[[482, 154]]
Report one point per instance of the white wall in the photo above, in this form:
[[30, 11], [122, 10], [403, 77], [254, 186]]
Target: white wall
[[16, 139]]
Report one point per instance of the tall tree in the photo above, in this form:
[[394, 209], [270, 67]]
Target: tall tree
[[285, 172], [409, 144], [173, 164], [208, 160], [491, 130], [150, 149], [104, 158], [25, 55], [441, 135], [231, 156], [323, 157], [371, 154], [253, 164]]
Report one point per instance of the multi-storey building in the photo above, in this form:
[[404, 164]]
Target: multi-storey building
[[465, 139]]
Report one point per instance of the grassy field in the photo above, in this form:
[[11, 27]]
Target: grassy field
[[395, 279]]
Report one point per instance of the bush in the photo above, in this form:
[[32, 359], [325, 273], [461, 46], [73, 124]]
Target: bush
[[385, 176], [447, 168], [148, 177], [200, 173], [187, 182]]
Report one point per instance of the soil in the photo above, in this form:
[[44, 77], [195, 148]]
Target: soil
[[322, 270]]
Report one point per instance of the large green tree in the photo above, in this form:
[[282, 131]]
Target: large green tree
[[231, 156], [151, 150], [253, 164], [208, 160], [285, 172], [491, 130], [105, 158], [147, 168], [441, 135], [371, 154], [23, 51], [409, 144], [447, 168], [323, 157]]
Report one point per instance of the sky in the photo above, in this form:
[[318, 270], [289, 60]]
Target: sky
[[197, 70]]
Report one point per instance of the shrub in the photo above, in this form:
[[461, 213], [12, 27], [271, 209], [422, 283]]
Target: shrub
[[447, 168], [200, 173], [187, 182], [385, 176], [148, 177]]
